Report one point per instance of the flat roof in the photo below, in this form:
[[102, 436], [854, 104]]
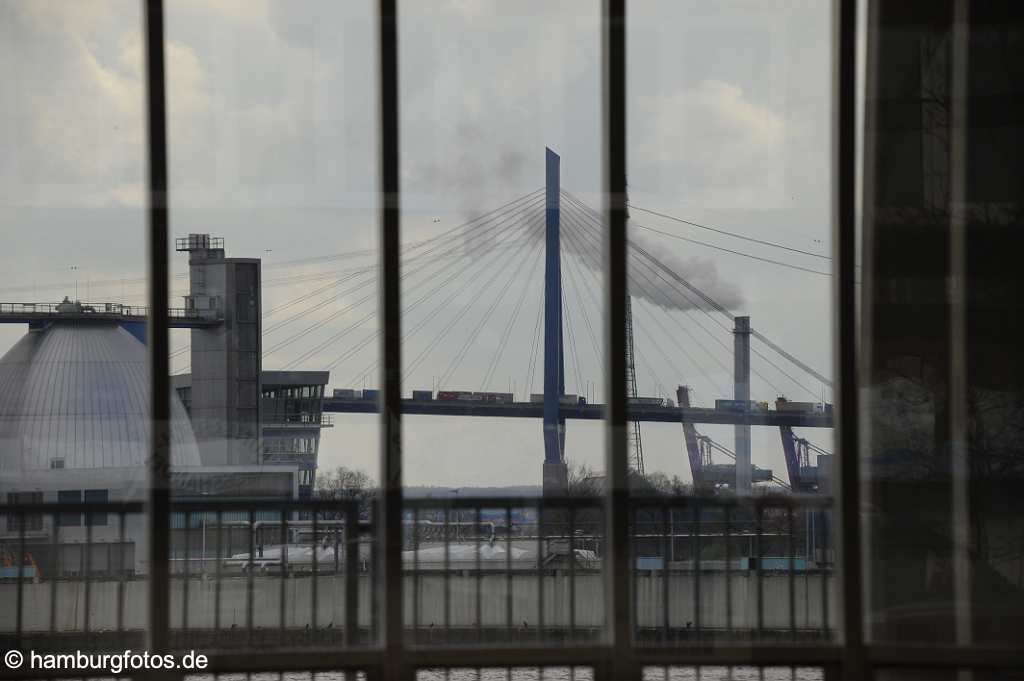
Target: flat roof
[[294, 377], [270, 378]]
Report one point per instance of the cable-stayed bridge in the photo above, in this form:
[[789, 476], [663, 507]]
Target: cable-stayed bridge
[[474, 311]]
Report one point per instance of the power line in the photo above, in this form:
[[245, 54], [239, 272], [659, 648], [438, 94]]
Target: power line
[[591, 233], [711, 302], [720, 308], [593, 247], [634, 223], [727, 330], [732, 234]]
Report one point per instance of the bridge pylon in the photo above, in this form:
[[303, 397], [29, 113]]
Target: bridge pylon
[[555, 472]]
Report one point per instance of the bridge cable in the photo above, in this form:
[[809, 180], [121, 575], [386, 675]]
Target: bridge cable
[[317, 306], [571, 238], [338, 313], [529, 198], [711, 302], [284, 263], [683, 328], [761, 337], [481, 265], [724, 311], [658, 386], [572, 339], [451, 249], [697, 365], [531, 364], [467, 264], [718, 340], [315, 292], [591, 238], [304, 312], [475, 333], [574, 279], [444, 332], [592, 247], [507, 331]]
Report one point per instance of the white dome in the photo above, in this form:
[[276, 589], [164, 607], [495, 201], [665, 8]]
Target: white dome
[[78, 394]]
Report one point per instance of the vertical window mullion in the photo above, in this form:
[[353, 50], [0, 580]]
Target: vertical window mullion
[[158, 332], [616, 562], [390, 522], [849, 541]]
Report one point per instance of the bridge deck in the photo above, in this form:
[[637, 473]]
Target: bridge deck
[[593, 412]]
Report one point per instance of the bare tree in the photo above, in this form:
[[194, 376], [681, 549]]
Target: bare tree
[[346, 484], [583, 481], [660, 483]]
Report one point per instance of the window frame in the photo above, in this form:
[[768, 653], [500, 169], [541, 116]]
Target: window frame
[[617, 657]]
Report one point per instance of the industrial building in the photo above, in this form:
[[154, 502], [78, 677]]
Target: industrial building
[[75, 426], [291, 417], [75, 414]]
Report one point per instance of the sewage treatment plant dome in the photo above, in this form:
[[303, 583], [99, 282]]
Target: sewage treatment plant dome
[[75, 395]]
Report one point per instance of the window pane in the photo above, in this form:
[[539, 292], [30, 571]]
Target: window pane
[[75, 393], [494, 95], [272, 119], [942, 313], [730, 353]]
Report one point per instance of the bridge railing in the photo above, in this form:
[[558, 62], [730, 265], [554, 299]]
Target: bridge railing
[[102, 309], [76, 307]]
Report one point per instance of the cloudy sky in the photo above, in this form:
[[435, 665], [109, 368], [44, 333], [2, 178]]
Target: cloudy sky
[[272, 112]]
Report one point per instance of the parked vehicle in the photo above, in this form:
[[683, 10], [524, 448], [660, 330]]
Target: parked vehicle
[[782, 404], [496, 398], [457, 396], [741, 405]]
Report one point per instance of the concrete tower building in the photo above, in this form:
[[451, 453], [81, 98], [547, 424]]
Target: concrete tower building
[[225, 387]]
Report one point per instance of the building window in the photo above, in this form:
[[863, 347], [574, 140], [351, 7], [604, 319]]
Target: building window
[[56, 464], [97, 496], [31, 522], [72, 496]]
